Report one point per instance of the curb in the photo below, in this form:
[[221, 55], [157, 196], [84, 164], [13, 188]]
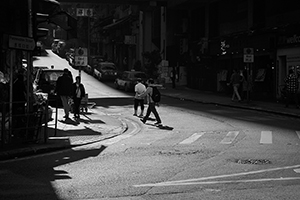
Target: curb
[[235, 106], [46, 148]]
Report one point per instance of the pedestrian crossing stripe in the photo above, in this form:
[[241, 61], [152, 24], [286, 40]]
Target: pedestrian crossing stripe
[[192, 138], [230, 137], [266, 137]]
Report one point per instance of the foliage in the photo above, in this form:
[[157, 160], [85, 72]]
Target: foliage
[[152, 59]]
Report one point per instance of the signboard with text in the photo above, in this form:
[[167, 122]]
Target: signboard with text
[[24, 43], [81, 57], [248, 55]]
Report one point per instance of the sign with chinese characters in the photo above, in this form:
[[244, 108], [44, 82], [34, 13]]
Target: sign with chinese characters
[[24, 43], [84, 12], [81, 57]]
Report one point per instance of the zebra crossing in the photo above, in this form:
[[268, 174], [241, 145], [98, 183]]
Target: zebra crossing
[[222, 137], [228, 137]]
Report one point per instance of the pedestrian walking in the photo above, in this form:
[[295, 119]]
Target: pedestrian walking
[[150, 92], [139, 89], [247, 85], [235, 81], [78, 94], [64, 90], [292, 86]]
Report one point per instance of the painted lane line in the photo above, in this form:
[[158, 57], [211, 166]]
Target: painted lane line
[[298, 133], [220, 182], [230, 137], [297, 170], [122, 137], [221, 176], [192, 138], [266, 137]]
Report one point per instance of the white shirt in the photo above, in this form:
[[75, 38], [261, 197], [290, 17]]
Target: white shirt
[[139, 89]]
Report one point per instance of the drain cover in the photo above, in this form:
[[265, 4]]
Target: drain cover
[[253, 161]]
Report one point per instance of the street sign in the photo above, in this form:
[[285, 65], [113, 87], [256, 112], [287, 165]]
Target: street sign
[[18, 42], [81, 57], [248, 55], [81, 61], [248, 58]]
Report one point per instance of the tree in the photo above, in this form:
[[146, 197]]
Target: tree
[[152, 59]]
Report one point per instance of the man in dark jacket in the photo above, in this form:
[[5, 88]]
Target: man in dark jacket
[[292, 86], [78, 94], [63, 89]]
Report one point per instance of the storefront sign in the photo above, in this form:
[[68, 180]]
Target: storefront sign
[[24, 43], [84, 12], [294, 39]]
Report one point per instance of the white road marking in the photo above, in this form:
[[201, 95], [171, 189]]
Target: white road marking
[[221, 182], [121, 137], [192, 138], [230, 137], [298, 133], [266, 137], [182, 182], [297, 170]]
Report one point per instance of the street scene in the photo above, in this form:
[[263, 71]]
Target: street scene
[[87, 114]]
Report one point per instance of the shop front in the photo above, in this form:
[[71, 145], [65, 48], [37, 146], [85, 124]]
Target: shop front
[[229, 52], [288, 57], [22, 111]]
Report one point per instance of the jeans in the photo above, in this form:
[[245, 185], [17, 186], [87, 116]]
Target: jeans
[[291, 96], [65, 103], [151, 108], [77, 102], [236, 91]]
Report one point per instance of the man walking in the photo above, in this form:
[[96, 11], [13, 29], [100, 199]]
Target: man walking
[[64, 90], [139, 88], [292, 86], [235, 80], [151, 104]]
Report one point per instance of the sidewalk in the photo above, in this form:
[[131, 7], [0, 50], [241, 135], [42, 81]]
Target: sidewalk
[[187, 94], [96, 125], [93, 126]]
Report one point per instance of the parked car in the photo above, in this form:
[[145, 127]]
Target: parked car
[[128, 79], [36, 68], [45, 82], [92, 63], [105, 71]]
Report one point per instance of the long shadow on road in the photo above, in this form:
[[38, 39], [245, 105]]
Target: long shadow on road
[[35, 178]]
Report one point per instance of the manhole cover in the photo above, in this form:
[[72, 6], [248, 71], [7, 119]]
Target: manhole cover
[[253, 161]]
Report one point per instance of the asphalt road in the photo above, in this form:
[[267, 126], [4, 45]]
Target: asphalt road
[[212, 153]]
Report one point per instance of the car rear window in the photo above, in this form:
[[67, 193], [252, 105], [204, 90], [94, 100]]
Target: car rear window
[[51, 76], [107, 66]]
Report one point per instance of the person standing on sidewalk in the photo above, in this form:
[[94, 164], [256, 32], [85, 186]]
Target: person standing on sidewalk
[[151, 103], [139, 88], [292, 86], [235, 81], [64, 90], [78, 94]]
